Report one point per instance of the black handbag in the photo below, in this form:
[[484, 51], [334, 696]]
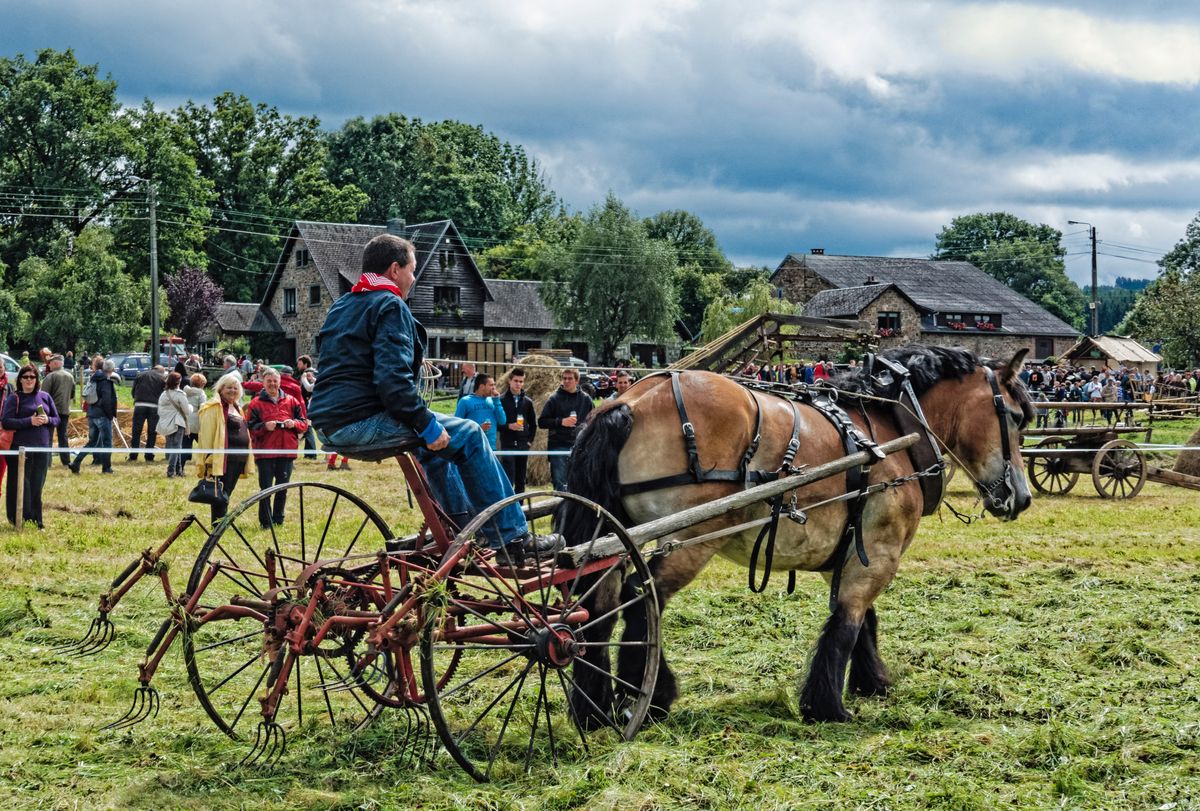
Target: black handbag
[[209, 491]]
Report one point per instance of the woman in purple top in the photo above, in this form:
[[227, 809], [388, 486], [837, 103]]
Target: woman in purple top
[[31, 415]]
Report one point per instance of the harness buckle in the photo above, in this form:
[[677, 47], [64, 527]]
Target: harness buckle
[[689, 430]]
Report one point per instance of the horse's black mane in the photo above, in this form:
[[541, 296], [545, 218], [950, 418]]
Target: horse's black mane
[[926, 366]]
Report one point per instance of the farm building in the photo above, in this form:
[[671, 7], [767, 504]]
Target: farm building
[[456, 305], [1113, 352], [922, 300]]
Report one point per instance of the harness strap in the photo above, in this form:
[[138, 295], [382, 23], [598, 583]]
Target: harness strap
[[771, 529], [911, 419], [696, 474]]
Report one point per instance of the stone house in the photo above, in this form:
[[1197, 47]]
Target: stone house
[[923, 301]]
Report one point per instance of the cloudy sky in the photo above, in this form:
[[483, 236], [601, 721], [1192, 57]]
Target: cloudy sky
[[858, 126]]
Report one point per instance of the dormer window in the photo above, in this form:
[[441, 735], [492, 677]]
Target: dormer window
[[302, 258], [445, 296]]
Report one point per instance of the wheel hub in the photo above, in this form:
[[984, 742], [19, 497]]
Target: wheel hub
[[555, 646]]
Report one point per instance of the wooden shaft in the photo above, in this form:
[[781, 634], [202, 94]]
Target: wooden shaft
[[643, 534]]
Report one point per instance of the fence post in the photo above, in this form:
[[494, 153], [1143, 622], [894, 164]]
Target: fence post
[[20, 494]]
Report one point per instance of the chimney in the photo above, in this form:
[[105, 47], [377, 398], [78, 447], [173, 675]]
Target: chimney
[[871, 279], [818, 251], [396, 226]]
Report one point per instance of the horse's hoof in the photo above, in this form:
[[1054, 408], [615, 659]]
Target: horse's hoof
[[825, 715]]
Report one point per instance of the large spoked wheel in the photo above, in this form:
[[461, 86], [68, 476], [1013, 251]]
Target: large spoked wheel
[[1119, 469], [528, 649], [234, 657], [1052, 474]]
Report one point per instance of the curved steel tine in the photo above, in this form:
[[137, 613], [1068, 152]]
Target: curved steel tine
[[270, 743], [425, 735], [98, 636], [104, 637], [144, 706], [254, 753]]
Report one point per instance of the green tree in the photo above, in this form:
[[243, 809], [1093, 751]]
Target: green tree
[[701, 263], [14, 321], [520, 257], [612, 282], [1026, 257], [267, 170], [448, 169], [1168, 310], [80, 294], [63, 144], [730, 309]]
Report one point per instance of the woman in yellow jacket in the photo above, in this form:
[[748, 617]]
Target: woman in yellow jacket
[[223, 426]]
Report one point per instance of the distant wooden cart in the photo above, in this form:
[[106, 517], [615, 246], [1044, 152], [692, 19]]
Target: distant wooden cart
[[1118, 467]]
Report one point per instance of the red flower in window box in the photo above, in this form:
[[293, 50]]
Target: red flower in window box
[[957, 325], [986, 326]]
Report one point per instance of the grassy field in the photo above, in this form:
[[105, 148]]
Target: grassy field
[[1048, 663]]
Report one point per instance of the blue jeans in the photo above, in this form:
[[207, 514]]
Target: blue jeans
[[175, 460], [465, 476], [99, 436], [558, 470]]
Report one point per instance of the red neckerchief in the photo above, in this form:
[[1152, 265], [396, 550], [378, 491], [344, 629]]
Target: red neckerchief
[[369, 282]]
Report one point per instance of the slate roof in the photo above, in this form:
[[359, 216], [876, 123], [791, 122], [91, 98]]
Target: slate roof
[[234, 318], [516, 305], [336, 249], [845, 302], [934, 286]]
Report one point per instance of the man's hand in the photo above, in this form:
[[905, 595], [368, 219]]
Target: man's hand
[[270, 424], [569, 422], [289, 424], [515, 426], [439, 443]]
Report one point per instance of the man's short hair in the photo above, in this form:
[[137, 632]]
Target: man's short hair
[[110, 366], [385, 249], [269, 371], [58, 358], [624, 373], [517, 372], [306, 360], [229, 360], [481, 380], [571, 370]]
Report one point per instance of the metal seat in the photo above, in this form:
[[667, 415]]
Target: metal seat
[[376, 453]]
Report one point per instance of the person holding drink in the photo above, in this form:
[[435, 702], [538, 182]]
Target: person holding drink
[[566, 409], [482, 406], [517, 429], [31, 415]]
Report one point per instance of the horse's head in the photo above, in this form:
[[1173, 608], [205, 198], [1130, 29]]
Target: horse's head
[[992, 407]]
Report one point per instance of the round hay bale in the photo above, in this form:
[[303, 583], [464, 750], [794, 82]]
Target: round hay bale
[[542, 377], [1188, 462]]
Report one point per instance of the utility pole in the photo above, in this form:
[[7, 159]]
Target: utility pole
[[1095, 303], [154, 350]]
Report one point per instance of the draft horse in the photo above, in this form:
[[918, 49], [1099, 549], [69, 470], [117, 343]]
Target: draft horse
[[673, 441]]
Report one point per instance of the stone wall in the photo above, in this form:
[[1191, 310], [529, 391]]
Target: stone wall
[[798, 282], [305, 323]]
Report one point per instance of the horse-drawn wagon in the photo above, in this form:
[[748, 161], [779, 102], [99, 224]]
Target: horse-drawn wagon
[[333, 617]]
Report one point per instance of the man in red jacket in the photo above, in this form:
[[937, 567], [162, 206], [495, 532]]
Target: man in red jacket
[[276, 421]]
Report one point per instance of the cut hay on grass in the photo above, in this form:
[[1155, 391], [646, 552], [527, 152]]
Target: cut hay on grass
[[1188, 462], [1045, 663]]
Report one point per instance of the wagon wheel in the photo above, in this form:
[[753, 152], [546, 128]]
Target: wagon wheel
[[529, 645], [1119, 469], [229, 661], [1052, 474]]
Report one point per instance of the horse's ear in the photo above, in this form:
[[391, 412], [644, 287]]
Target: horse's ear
[[1009, 372]]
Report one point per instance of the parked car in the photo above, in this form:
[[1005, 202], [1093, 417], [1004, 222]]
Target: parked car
[[11, 367], [130, 364]]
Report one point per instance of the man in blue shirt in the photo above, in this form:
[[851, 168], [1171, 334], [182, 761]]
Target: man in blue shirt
[[482, 406], [367, 396]]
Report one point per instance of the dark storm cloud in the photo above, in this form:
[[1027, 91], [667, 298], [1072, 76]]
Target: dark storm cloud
[[862, 126]]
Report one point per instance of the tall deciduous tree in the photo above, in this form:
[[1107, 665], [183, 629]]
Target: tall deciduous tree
[[194, 298], [63, 141], [612, 282], [728, 310], [266, 169], [1026, 257], [1167, 312], [701, 263], [80, 295], [422, 172]]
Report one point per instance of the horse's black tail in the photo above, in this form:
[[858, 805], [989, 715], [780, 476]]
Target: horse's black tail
[[593, 472]]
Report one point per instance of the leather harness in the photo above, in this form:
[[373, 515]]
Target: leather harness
[[926, 457]]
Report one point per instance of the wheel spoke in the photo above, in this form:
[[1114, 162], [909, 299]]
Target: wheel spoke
[[250, 696]]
